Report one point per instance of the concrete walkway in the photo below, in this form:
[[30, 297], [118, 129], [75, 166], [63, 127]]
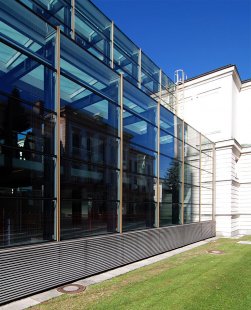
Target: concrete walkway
[[38, 298]]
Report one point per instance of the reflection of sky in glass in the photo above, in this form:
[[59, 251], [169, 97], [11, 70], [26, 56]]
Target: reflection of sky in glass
[[138, 127], [99, 109]]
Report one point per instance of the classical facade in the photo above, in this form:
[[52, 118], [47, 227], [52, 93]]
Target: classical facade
[[218, 104]]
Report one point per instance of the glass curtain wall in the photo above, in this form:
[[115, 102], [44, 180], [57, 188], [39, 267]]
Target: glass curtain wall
[[90, 144], [191, 174], [91, 29], [170, 163], [27, 127], [99, 192], [206, 178], [139, 159]]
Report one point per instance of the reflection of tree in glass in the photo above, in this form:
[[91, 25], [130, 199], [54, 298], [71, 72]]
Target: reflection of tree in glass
[[172, 182]]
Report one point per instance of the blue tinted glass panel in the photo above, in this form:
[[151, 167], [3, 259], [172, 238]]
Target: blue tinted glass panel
[[91, 38], [149, 85], [26, 80], [30, 32], [138, 131], [56, 12], [149, 67], [170, 168], [170, 123], [139, 103], [88, 108], [92, 14], [126, 56], [89, 72], [139, 160], [170, 145]]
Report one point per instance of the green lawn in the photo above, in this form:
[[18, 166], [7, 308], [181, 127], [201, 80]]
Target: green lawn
[[191, 280]]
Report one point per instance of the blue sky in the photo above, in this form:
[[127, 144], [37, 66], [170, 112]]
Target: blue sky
[[194, 35]]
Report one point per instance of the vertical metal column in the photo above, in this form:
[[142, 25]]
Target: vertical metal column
[[214, 183], [57, 138], [183, 173], [120, 224], [112, 45], [139, 68], [200, 184], [158, 152], [73, 19]]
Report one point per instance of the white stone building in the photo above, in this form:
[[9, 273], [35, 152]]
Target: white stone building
[[218, 104]]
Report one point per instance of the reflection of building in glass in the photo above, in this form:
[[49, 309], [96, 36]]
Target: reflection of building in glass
[[94, 164]]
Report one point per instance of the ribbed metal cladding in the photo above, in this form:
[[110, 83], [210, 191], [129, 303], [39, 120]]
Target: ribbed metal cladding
[[28, 270]]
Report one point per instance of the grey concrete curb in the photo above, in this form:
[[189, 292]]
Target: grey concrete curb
[[39, 298]]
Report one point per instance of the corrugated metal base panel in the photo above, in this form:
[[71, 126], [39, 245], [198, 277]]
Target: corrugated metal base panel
[[31, 269]]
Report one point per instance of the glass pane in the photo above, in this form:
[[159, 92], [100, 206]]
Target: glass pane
[[206, 179], [138, 131], [126, 55], [170, 123], [137, 102], [85, 181], [170, 191], [206, 162], [206, 145], [170, 146], [170, 214], [168, 100], [139, 160], [149, 67], [138, 215], [57, 12], [81, 218], [192, 136], [91, 13], [149, 85], [191, 203], [192, 156], [91, 38], [138, 187], [90, 73], [86, 109], [25, 126], [191, 213], [25, 220], [191, 194], [90, 146], [206, 196], [25, 173], [24, 28], [192, 175], [170, 169], [26, 80], [206, 212]]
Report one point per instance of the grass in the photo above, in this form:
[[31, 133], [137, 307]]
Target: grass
[[191, 280]]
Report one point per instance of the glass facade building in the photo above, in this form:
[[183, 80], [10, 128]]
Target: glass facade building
[[89, 140]]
